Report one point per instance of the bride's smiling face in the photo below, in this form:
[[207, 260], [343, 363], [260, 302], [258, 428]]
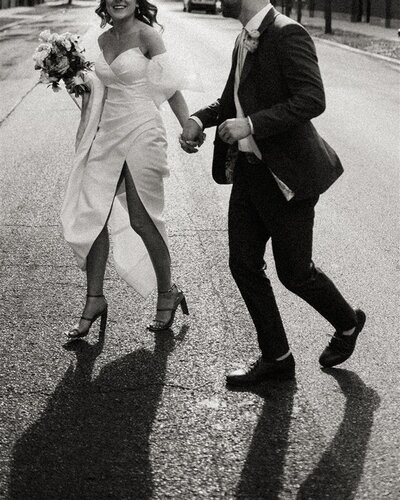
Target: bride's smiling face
[[121, 9]]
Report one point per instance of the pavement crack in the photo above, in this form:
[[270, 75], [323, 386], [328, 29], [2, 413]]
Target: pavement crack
[[18, 103]]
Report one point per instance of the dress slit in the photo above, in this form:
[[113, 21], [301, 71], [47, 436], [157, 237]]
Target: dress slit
[[121, 127]]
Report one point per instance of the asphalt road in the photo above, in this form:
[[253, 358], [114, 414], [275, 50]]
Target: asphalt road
[[137, 416]]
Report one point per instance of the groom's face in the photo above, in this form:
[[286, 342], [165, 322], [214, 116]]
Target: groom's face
[[231, 8]]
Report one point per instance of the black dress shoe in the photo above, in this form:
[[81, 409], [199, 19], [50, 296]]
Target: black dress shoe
[[341, 347], [262, 370]]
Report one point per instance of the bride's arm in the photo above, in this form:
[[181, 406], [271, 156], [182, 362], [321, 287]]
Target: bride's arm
[[154, 46], [179, 107]]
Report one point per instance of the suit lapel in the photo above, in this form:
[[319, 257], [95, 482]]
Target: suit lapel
[[231, 78], [251, 57]]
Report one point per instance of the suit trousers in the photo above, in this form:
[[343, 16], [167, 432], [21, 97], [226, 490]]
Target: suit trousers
[[258, 212]]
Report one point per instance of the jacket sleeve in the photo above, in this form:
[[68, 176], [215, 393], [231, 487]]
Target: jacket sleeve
[[299, 66], [209, 115]]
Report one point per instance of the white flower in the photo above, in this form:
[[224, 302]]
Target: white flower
[[75, 39], [44, 36], [65, 42], [54, 38], [41, 53], [251, 40]]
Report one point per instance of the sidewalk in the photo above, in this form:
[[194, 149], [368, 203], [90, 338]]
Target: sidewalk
[[19, 15], [375, 40], [360, 28]]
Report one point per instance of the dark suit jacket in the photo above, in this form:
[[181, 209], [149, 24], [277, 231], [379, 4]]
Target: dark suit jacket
[[281, 90]]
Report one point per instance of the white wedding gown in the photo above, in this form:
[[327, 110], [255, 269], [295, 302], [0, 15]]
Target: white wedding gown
[[120, 124]]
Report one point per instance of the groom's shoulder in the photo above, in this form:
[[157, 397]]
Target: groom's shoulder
[[283, 24]]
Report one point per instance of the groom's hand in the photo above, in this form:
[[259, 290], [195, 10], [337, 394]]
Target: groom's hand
[[192, 137], [234, 129]]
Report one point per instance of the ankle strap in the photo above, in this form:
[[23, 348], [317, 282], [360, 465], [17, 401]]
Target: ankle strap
[[168, 291]]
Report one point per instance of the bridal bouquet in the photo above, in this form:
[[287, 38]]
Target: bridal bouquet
[[60, 57]]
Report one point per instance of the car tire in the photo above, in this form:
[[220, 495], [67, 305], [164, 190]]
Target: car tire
[[189, 7]]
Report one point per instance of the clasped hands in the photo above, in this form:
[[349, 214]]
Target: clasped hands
[[230, 131]]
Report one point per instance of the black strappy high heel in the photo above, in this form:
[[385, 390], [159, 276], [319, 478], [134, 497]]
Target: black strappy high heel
[[180, 300], [75, 333]]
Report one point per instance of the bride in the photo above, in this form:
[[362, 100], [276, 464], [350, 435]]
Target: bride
[[116, 183]]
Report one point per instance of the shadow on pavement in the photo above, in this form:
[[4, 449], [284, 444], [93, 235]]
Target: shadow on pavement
[[340, 468], [262, 474], [92, 440]]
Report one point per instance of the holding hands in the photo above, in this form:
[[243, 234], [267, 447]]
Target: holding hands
[[192, 136], [230, 131]]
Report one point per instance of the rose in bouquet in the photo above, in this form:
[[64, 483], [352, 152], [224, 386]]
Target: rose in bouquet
[[60, 57]]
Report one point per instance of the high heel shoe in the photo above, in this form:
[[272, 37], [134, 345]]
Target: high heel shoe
[[75, 333], [180, 300]]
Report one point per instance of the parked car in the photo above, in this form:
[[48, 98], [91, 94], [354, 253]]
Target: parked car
[[207, 5]]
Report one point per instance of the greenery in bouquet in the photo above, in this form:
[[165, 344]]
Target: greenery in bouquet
[[60, 57]]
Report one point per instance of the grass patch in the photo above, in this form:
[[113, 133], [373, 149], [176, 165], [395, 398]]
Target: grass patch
[[371, 44]]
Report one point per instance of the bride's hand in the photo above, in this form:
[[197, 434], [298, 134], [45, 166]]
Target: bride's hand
[[191, 146], [192, 137]]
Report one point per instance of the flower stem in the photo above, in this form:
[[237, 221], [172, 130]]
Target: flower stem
[[74, 99]]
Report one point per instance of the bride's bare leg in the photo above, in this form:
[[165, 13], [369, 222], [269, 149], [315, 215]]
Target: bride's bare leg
[[142, 223], [95, 269], [96, 263]]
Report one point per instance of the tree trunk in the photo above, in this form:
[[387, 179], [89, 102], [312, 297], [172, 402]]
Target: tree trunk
[[311, 7], [328, 16], [388, 13], [368, 12], [288, 7], [299, 10]]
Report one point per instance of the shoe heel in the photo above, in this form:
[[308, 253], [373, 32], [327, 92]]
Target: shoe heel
[[103, 321], [184, 306]]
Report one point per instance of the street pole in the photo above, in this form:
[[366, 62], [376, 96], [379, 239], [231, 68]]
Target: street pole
[[328, 16], [299, 10]]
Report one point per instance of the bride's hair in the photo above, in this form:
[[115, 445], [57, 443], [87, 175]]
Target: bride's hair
[[145, 12]]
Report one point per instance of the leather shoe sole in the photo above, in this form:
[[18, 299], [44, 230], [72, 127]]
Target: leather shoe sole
[[261, 371]]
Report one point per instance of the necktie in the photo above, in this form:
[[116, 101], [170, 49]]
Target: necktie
[[248, 42], [241, 50]]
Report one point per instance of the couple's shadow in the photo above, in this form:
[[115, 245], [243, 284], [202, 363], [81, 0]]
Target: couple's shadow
[[92, 440], [338, 472]]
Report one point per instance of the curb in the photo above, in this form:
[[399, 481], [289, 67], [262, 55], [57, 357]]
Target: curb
[[391, 60], [24, 20], [15, 23]]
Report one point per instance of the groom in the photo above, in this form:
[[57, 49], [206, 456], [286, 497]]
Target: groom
[[279, 165]]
